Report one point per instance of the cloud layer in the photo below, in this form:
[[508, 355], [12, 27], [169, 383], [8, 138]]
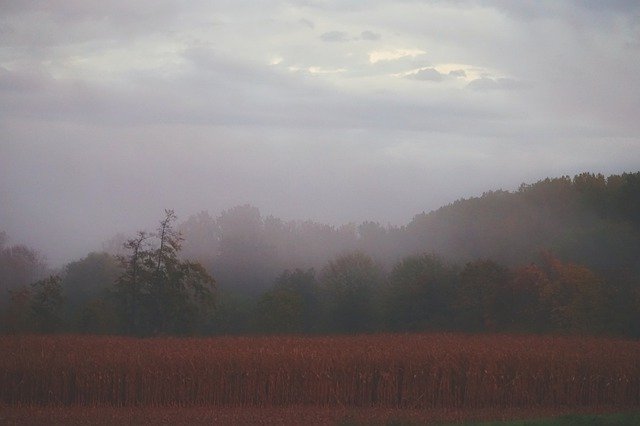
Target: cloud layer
[[334, 111]]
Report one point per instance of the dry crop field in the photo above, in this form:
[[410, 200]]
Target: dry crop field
[[380, 373]]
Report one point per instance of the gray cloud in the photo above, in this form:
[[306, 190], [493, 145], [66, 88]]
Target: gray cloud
[[457, 73], [432, 74], [370, 35], [428, 74], [335, 36], [62, 22], [307, 23], [111, 112], [531, 9]]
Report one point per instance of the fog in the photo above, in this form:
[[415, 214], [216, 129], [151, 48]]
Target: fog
[[331, 111]]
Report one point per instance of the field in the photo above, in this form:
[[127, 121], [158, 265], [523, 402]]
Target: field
[[416, 376]]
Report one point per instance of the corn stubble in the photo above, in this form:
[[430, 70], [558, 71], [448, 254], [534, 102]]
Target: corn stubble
[[424, 371]]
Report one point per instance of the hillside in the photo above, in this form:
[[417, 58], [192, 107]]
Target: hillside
[[589, 219]]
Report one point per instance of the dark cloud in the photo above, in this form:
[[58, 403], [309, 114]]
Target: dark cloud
[[457, 73], [432, 74], [335, 36], [427, 74], [307, 23], [370, 35]]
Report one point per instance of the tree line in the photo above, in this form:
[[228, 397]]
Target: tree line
[[557, 255], [588, 219], [152, 291]]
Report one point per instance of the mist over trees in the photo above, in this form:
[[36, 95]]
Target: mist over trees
[[588, 219], [557, 255], [19, 266]]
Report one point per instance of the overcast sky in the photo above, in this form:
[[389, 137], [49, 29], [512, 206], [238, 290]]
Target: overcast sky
[[334, 111]]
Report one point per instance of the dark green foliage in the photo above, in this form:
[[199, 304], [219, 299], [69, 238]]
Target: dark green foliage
[[591, 283], [530, 313], [27, 305], [47, 304], [98, 316], [89, 278], [589, 219], [623, 289], [87, 283], [17, 317], [419, 294], [158, 292], [233, 314], [484, 299], [347, 288], [291, 305]]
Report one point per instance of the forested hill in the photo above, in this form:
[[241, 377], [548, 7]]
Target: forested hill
[[588, 219], [561, 254]]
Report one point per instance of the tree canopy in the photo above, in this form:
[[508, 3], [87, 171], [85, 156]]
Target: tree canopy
[[559, 255], [158, 292]]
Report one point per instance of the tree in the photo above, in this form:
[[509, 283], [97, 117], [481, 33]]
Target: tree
[[17, 317], [347, 286], [202, 238], [87, 283], [247, 259], [529, 312], [89, 278], [19, 266], [159, 292], [98, 316], [623, 288], [419, 294], [290, 305], [483, 300], [47, 304], [575, 295], [130, 287]]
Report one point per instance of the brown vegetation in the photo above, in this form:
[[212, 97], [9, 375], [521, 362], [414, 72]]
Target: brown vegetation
[[435, 371], [289, 415]]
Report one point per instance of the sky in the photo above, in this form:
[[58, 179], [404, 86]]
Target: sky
[[334, 111]]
